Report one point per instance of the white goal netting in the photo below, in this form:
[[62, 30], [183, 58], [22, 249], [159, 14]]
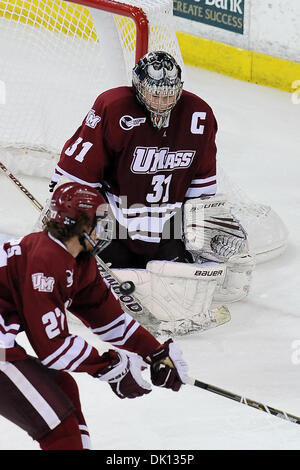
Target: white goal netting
[[56, 57]]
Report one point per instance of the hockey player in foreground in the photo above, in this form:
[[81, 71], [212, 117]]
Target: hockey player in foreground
[[150, 149], [42, 275]]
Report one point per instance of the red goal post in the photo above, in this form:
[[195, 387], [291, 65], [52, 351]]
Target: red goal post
[[135, 13]]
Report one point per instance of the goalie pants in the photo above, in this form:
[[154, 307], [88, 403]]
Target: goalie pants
[[43, 402], [119, 255]]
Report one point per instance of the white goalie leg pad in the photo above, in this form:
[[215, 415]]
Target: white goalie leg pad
[[237, 280], [141, 280], [179, 295], [183, 291]]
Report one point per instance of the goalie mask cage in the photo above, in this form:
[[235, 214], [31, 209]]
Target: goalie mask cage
[[56, 57]]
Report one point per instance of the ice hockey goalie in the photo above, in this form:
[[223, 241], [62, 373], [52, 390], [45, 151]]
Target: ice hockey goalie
[[191, 297]]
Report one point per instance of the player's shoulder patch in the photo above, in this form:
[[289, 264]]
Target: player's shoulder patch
[[92, 119]]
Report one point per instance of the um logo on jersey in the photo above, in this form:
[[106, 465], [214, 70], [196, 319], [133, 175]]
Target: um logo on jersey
[[42, 283], [92, 119], [152, 159]]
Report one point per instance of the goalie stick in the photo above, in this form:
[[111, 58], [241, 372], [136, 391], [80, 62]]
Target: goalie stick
[[129, 302]]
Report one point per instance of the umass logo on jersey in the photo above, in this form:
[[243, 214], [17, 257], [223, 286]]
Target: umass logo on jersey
[[128, 122], [151, 159], [42, 283]]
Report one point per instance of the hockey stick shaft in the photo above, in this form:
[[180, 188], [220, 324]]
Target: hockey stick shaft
[[129, 302], [246, 401], [21, 187], [233, 396]]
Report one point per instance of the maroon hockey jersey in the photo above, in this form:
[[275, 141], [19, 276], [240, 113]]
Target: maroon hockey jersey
[[146, 173], [39, 280]]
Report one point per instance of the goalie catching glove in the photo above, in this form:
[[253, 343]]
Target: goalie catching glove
[[211, 231]]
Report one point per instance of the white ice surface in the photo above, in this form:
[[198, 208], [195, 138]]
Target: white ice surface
[[258, 144]]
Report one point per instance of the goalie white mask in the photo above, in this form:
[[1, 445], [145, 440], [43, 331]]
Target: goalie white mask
[[157, 82]]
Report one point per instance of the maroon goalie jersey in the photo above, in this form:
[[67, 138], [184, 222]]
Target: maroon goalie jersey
[[39, 280], [145, 172]]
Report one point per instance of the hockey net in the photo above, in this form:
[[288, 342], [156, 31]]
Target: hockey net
[[56, 57]]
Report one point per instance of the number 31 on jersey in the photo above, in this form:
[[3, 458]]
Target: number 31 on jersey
[[83, 148]]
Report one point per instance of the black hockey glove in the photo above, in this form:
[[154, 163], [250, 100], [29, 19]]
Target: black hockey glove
[[167, 367], [124, 374]]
